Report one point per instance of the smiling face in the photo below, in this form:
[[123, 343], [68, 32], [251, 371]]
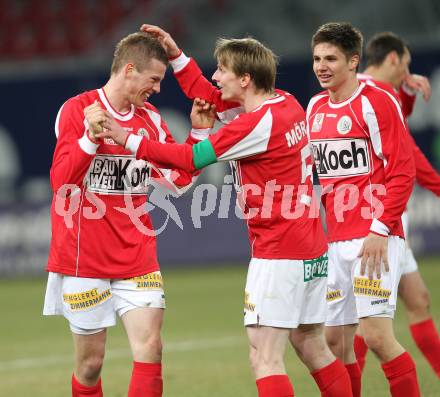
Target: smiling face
[[230, 85], [141, 85], [331, 66]]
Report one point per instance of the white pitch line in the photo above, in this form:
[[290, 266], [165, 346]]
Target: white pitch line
[[170, 347]]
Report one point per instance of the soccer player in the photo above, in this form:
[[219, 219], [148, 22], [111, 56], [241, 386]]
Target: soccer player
[[102, 259], [271, 160], [367, 172], [388, 60]]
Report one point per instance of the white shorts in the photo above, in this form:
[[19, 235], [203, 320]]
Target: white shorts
[[92, 303], [351, 296], [285, 293], [409, 264]]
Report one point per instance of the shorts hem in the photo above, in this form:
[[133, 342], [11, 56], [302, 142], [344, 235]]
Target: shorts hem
[[336, 323], [405, 272], [389, 314], [274, 324], [92, 326], [314, 320]]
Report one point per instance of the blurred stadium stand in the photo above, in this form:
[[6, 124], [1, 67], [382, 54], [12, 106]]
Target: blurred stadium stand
[[51, 50]]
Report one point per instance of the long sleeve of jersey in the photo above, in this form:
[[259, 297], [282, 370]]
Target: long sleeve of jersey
[[246, 136], [388, 137], [407, 100], [195, 85], [426, 175], [74, 150], [168, 175]]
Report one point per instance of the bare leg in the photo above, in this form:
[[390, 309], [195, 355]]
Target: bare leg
[[89, 357]]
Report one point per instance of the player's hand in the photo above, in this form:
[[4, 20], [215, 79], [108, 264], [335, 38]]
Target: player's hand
[[202, 114], [111, 129], [418, 83], [374, 252], [94, 115], [164, 38]]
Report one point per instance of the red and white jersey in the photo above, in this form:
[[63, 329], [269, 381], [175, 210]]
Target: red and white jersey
[[363, 162], [96, 231], [271, 163], [426, 175]]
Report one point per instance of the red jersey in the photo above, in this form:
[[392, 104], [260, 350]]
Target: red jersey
[[100, 186], [271, 161], [426, 175], [362, 161]]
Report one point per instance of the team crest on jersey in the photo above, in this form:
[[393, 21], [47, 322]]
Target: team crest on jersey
[[317, 122], [109, 141], [143, 132], [344, 125]]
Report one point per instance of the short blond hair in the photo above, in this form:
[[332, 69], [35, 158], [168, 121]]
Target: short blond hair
[[138, 48], [249, 56]]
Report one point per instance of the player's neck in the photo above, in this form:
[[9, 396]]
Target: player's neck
[[253, 100], [345, 90], [117, 100], [378, 74]]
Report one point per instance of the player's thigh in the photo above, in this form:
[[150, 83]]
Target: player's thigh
[[413, 291], [268, 341], [143, 323], [90, 347]]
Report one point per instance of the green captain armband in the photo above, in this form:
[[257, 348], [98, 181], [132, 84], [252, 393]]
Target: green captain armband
[[203, 154]]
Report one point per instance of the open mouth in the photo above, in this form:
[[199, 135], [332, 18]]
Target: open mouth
[[324, 77]]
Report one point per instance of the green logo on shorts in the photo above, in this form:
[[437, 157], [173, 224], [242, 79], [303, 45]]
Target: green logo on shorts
[[314, 268]]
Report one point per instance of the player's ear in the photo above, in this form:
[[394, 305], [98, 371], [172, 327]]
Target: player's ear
[[354, 62], [393, 58], [129, 69], [245, 80]]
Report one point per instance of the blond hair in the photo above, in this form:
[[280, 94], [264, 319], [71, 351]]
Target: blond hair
[[248, 56]]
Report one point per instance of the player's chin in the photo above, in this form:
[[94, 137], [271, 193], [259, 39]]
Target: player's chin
[[225, 96], [326, 84], [140, 102]]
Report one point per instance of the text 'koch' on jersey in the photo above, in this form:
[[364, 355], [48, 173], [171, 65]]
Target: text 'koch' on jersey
[[359, 146], [340, 158]]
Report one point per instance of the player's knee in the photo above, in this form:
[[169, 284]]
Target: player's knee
[[89, 369], [419, 305], [376, 341], [268, 362], [253, 358], [149, 349], [336, 344], [424, 300]]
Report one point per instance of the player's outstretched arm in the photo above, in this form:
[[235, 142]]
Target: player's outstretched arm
[[190, 77], [166, 155]]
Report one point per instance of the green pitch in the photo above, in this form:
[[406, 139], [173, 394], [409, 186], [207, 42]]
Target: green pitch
[[205, 343]]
